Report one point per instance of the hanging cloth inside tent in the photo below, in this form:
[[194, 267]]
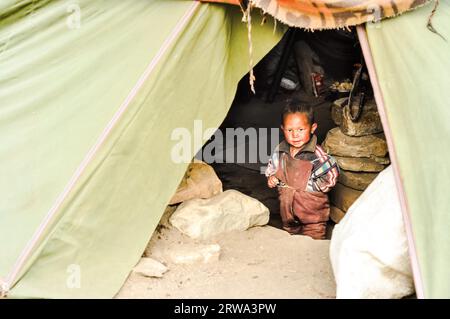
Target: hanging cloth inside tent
[[331, 14]]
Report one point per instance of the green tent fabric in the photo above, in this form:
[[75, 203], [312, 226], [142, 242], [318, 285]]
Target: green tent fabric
[[413, 67], [90, 93]]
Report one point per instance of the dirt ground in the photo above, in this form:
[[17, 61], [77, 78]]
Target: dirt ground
[[262, 262]]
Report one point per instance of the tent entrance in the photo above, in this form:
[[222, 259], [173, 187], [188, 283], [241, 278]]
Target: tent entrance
[[317, 69]]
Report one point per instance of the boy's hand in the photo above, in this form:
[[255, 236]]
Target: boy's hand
[[272, 181]]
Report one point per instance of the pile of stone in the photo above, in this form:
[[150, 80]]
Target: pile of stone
[[360, 150]]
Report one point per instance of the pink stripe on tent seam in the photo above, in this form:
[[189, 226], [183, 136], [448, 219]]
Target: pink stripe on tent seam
[[398, 181], [81, 168]]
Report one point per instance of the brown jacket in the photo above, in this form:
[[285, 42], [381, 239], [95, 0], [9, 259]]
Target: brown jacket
[[302, 211]]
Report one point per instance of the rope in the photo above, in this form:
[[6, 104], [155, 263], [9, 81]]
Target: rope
[[248, 18], [360, 104], [430, 25], [284, 185]]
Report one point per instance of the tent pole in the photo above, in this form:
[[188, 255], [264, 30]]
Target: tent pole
[[363, 40]]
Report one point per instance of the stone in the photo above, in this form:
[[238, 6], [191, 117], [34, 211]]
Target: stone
[[358, 164], [343, 197], [382, 160], [358, 181], [337, 143], [368, 123], [336, 110], [194, 253], [336, 214], [149, 267], [369, 247], [199, 181], [225, 212]]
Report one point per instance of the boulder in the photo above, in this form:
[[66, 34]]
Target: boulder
[[369, 121], [336, 214], [369, 247], [199, 181], [149, 267], [343, 197], [356, 164], [358, 181], [337, 143], [227, 211], [194, 253]]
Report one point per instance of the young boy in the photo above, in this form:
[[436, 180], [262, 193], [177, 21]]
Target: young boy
[[303, 172]]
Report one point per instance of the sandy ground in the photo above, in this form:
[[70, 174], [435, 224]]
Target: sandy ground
[[262, 262]]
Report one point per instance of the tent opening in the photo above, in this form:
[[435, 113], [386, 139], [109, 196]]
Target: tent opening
[[323, 69]]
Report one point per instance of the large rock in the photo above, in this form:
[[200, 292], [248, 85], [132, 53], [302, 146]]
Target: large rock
[[194, 253], [358, 181], [149, 267], [336, 214], [200, 181], [361, 164], [230, 210], [343, 197], [369, 248], [337, 143], [369, 121]]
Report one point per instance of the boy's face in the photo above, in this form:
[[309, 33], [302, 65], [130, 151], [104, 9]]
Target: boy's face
[[297, 130]]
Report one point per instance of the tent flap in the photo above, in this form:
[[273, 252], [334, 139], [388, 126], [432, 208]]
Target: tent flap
[[90, 97], [413, 66]]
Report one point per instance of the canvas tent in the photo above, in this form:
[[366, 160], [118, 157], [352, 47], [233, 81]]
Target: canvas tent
[[87, 113], [90, 92]]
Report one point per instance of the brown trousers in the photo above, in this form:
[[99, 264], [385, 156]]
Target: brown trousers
[[302, 212]]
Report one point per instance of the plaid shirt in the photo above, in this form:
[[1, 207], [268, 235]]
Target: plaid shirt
[[325, 170]]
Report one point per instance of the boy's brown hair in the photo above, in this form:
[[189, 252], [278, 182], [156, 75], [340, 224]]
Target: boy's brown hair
[[295, 106]]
